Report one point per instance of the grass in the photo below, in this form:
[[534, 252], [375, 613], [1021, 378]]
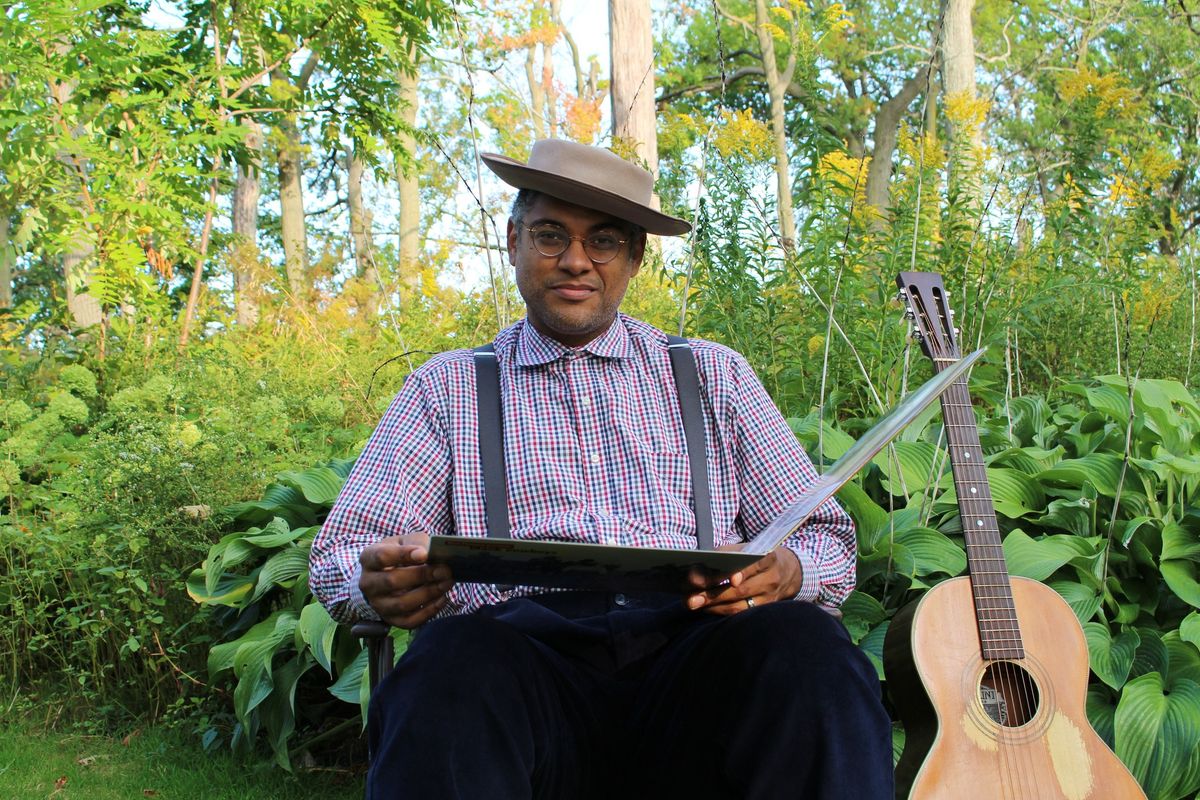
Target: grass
[[157, 763]]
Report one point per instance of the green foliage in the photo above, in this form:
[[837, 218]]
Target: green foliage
[[275, 632], [1114, 529], [105, 501]]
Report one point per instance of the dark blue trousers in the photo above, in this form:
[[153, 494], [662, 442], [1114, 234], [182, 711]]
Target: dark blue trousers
[[588, 695]]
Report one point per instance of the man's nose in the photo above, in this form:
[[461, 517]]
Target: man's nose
[[575, 258]]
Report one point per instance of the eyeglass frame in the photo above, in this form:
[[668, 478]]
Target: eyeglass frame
[[581, 239]]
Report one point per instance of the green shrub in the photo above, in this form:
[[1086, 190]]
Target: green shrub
[[273, 632], [78, 380]]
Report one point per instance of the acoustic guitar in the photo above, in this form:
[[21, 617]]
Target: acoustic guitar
[[989, 673]]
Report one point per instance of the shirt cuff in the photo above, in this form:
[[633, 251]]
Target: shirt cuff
[[358, 605], [810, 581]]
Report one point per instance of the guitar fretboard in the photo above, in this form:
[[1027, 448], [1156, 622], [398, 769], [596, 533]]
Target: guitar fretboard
[[995, 614]]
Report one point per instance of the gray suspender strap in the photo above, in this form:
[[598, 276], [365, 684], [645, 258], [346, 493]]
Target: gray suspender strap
[[687, 386], [491, 438], [491, 442]]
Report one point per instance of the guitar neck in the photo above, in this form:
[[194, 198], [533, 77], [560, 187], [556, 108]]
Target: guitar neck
[[995, 614]]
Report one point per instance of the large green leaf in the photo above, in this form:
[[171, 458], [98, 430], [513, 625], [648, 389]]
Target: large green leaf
[[319, 485], [1110, 658], [1014, 494], [1156, 733], [1179, 542], [278, 711], [1039, 558], [1030, 460], [281, 570], [1184, 659], [228, 590], [1180, 576], [1029, 415], [316, 629], [1099, 470], [932, 551], [870, 520], [1151, 655], [1083, 600], [907, 467], [252, 664], [1101, 713], [892, 558], [872, 645], [354, 685], [1189, 629], [814, 432], [1115, 403], [276, 534], [1074, 516]]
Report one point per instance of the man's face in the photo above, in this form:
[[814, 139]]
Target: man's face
[[570, 297]]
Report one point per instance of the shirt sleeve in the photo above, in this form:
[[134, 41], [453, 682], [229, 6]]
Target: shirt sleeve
[[773, 473], [401, 483]]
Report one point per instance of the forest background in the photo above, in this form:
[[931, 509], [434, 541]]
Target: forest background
[[229, 229]]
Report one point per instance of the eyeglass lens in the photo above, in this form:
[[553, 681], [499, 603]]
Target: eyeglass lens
[[600, 247]]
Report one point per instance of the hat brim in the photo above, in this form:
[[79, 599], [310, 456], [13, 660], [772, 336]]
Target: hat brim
[[523, 176]]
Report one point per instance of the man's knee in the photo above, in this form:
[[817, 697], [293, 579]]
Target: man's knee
[[798, 645]]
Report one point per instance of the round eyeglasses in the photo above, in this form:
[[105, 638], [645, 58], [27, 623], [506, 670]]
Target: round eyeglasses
[[600, 247]]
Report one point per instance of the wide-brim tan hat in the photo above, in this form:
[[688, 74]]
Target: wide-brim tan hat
[[591, 177]]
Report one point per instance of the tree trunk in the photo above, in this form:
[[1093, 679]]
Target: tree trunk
[[536, 95], [360, 229], [777, 85], [631, 52], [408, 181], [887, 128], [958, 83], [85, 309], [290, 162], [246, 194], [6, 262]]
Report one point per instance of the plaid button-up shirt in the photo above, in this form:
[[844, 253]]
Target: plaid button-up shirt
[[594, 452]]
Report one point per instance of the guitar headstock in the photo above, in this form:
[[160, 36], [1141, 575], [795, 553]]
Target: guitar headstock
[[929, 310]]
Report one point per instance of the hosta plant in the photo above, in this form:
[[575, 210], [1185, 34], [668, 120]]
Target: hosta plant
[[289, 659]]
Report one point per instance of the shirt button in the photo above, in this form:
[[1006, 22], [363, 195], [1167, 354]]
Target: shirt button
[[595, 458], [619, 599], [585, 401]]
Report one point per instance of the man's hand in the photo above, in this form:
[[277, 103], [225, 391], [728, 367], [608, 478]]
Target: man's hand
[[398, 583], [775, 576]]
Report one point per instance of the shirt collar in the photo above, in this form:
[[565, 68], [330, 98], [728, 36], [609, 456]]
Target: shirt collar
[[534, 349]]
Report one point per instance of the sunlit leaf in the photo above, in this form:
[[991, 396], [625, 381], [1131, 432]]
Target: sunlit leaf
[[1156, 734]]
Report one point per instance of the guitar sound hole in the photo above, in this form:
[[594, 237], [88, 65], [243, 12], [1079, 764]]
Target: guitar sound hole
[[1008, 694]]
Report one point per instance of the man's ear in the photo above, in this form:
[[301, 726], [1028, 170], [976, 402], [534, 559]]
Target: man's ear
[[514, 234], [637, 251]]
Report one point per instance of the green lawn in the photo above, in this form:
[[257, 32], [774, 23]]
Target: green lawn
[[154, 763]]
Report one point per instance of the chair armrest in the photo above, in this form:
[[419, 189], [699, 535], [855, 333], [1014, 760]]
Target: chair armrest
[[380, 652]]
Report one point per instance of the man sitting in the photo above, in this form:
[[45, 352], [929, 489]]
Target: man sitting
[[748, 688]]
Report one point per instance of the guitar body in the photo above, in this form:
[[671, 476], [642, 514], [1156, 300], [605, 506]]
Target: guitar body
[[955, 748]]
